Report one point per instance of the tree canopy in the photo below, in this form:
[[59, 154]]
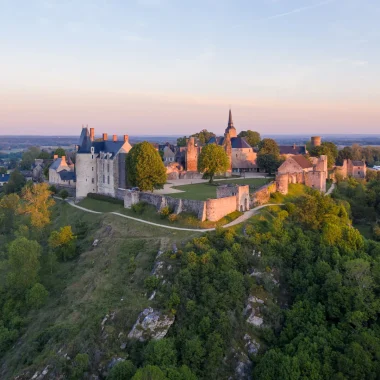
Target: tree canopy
[[268, 157], [60, 152], [253, 138], [145, 168], [204, 136], [213, 160], [326, 148], [181, 141]]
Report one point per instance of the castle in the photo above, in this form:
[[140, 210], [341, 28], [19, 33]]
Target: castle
[[100, 164]]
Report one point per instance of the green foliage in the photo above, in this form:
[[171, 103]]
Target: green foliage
[[124, 370], [139, 207], [213, 160], [181, 141], [253, 138], [60, 152], [24, 264], [80, 365], [204, 136], [145, 168], [3, 170], [44, 155], [149, 372], [165, 212], [36, 296], [16, 182], [151, 283], [268, 157], [161, 353], [328, 149], [63, 243], [63, 194], [269, 146], [53, 189], [28, 157]]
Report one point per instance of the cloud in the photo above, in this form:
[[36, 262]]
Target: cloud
[[297, 10]]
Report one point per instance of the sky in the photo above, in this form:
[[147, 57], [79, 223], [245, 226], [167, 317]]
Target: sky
[[176, 66]]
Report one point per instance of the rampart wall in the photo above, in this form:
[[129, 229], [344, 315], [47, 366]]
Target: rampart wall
[[262, 195], [218, 208]]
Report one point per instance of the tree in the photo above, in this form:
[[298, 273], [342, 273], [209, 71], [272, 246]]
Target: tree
[[268, 157], [204, 136], [23, 263], [29, 156], [161, 353], [150, 372], [3, 170], [36, 296], [328, 149], [181, 141], [44, 155], [60, 152], [16, 182], [122, 371], [62, 243], [213, 160], [8, 210], [37, 202], [63, 194], [145, 168], [344, 154], [253, 138]]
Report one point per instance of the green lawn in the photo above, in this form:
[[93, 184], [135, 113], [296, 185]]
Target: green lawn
[[203, 191]]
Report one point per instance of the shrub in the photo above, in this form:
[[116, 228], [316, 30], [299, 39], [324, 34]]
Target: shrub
[[36, 296], [173, 217], [139, 207], [151, 283], [63, 194], [122, 371], [106, 198], [53, 189], [165, 212]]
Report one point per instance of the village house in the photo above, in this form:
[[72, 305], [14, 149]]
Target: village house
[[100, 165], [4, 179], [350, 168], [62, 172]]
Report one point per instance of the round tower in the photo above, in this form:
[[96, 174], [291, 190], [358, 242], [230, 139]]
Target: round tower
[[316, 141]]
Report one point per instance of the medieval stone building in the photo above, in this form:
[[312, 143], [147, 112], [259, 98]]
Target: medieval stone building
[[298, 169], [350, 168], [241, 155], [100, 164]]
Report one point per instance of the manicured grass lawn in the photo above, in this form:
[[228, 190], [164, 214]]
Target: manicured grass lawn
[[203, 191]]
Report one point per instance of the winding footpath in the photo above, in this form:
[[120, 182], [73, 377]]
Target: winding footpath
[[239, 220]]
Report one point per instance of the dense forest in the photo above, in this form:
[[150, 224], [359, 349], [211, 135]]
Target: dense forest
[[313, 277]]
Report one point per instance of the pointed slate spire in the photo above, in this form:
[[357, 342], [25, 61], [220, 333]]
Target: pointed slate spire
[[230, 122]]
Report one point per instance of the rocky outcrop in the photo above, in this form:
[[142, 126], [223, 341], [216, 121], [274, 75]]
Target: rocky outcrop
[[151, 324], [253, 311]]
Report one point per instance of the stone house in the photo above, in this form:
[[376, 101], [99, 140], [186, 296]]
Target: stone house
[[62, 173], [168, 155], [298, 169], [100, 165], [350, 168]]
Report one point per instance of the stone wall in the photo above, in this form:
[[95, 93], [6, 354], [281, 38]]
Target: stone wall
[[85, 167], [316, 180], [282, 183], [71, 190], [262, 195], [191, 156], [218, 208], [120, 193]]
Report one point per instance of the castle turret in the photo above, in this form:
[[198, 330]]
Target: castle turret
[[316, 141], [191, 156]]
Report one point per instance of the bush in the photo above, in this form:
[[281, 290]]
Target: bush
[[53, 189], [173, 217], [165, 212], [151, 283], [122, 371], [36, 296], [63, 194], [139, 207], [105, 198]]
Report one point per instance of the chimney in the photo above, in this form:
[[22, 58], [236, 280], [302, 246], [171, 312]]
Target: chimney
[[92, 134], [63, 160], [55, 156], [105, 137], [294, 146], [126, 138], [114, 138]]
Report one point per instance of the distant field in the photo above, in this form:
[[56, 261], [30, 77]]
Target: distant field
[[203, 191]]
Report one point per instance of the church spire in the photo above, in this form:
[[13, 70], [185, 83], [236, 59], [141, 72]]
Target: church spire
[[230, 122]]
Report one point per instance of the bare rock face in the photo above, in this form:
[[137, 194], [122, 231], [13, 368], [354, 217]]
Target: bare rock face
[[151, 324], [251, 345], [253, 311]]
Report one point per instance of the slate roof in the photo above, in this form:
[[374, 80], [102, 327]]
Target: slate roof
[[303, 162], [55, 165], [67, 176], [291, 149], [236, 142], [358, 163], [4, 177]]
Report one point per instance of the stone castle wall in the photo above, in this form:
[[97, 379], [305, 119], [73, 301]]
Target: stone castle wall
[[282, 183], [262, 195], [85, 167], [191, 156], [316, 180], [218, 208]]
